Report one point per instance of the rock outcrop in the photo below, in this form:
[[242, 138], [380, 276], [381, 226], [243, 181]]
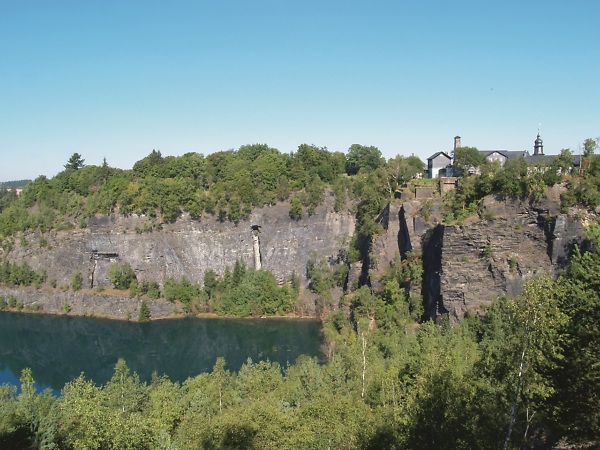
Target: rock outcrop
[[494, 253], [90, 303]]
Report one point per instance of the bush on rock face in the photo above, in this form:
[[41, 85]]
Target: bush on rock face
[[121, 275]]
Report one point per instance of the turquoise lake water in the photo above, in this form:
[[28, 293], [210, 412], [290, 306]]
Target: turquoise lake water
[[60, 348]]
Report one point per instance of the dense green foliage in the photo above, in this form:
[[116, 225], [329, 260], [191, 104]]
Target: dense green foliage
[[465, 159], [249, 292], [240, 292], [77, 281], [6, 197], [121, 275], [585, 189], [144, 313], [577, 397], [148, 288], [226, 184], [361, 157], [14, 274], [75, 162]]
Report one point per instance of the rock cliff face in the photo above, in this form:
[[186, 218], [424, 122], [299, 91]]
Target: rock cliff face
[[188, 247], [491, 254], [464, 266]]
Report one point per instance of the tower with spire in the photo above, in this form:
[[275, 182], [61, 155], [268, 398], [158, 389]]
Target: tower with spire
[[538, 145]]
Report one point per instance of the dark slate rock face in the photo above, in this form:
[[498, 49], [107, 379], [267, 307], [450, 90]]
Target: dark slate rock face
[[565, 233], [492, 254], [512, 241], [432, 271]]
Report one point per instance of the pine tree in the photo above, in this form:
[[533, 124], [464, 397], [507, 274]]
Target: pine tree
[[144, 314]]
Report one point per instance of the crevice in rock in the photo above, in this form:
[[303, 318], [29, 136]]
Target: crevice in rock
[[432, 268], [384, 217], [404, 244]]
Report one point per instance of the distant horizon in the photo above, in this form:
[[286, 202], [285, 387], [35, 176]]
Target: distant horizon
[[117, 80]]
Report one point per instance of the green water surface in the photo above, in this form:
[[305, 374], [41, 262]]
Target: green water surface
[[59, 348]]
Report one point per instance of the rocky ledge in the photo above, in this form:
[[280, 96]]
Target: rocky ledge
[[88, 303]]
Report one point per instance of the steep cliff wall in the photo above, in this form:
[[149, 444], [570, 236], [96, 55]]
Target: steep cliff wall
[[509, 242], [404, 228], [187, 247], [489, 255]]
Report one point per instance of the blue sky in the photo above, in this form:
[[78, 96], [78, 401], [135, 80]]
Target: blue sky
[[117, 79]]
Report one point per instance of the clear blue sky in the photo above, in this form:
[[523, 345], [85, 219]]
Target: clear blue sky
[[117, 79]]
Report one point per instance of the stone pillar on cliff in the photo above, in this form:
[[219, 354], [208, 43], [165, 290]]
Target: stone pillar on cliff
[[256, 246]]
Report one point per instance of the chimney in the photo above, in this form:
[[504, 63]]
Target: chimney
[[456, 142]]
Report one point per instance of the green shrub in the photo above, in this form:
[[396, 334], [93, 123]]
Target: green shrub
[[488, 215], [183, 291], [295, 208], [149, 288], [76, 281], [121, 275], [426, 210]]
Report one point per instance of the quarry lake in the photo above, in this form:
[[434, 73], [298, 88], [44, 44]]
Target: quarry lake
[[59, 348]]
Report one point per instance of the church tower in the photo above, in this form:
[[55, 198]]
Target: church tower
[[538, 146]]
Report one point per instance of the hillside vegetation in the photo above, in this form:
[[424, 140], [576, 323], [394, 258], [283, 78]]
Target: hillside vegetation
[[225, 184]]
